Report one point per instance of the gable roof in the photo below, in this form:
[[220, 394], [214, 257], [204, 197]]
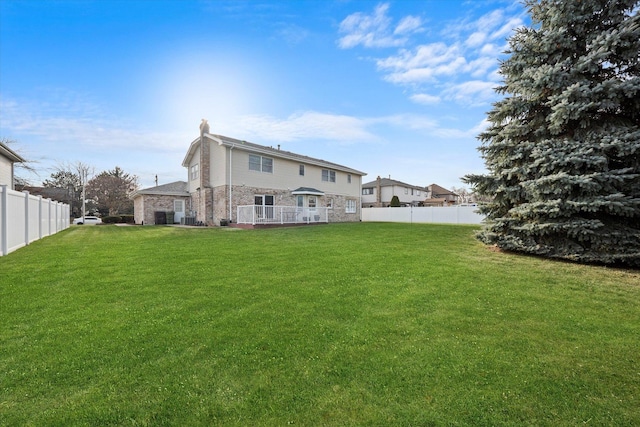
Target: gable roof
[[436, 190], [387, 182], [270, 151], [178, 188], [10, 154]]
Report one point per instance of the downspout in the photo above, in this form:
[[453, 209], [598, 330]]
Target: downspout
[[231, 181]]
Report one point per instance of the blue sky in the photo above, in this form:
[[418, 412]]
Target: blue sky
[[391, 88]]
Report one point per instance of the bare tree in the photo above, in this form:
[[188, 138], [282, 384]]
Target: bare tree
[[71, 177], [27, 166]]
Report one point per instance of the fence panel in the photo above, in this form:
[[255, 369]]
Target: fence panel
[[427, 214], [33, 219], [25, 218]]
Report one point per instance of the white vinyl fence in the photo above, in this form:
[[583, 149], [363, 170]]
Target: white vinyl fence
[[426, 214], [25, 218]]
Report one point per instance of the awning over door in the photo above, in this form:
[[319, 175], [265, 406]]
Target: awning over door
[[307, 191]]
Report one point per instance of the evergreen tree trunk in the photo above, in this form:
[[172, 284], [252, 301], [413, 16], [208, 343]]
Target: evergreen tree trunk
[[563, 147]]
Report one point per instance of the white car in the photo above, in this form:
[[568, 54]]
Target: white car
[[87, 220]]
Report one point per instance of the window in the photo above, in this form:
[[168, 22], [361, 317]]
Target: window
[[301, 170], [254, 163], [351, 206], [328, 176], [260, 164], [349, 178], [406, 190], [330, 202], [195, 171], [312, 202], [367, 191]]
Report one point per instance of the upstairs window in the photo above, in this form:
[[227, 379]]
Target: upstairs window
[[367, 191], [349, 178], [195, 171], [260, 164], [301, 170], [328, 175]]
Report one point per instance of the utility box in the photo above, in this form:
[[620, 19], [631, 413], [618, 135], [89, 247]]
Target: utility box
[[160, 217]]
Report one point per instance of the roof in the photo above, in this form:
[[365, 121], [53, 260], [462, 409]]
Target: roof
[[10, 154], [308, 190], [436, 190], [178, 188], [387, 182], [270, 151]]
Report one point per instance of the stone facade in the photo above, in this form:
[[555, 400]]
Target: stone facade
[[145, 207], [160, 199], [244, 195]]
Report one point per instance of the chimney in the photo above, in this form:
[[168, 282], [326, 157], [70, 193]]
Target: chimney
[[378, 192]]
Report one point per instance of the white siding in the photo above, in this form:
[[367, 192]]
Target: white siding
[[286, 176], [195, 183], [6, 172]]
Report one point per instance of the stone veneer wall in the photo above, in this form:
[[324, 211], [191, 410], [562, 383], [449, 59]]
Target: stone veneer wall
[[152, 204], [243, 195]]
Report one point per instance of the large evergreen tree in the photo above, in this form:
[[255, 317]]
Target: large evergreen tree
[[563, 147]]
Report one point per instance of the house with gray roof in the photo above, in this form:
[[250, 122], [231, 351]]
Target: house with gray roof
[[379, 193], [151, 205], [231, 181]]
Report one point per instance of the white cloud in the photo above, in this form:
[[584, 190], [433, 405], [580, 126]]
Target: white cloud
[[307, 125], [408, 24], [424, 98], [374, 30], [473, 92], [466, 67]]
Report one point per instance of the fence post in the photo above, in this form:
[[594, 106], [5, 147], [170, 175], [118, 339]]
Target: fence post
[[40, 217], [4, 221], [26, 216]]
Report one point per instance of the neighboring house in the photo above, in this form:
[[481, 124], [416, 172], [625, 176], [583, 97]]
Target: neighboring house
[[236, 181], [439, 196], [151, 205], [379, 193], [7, 158]]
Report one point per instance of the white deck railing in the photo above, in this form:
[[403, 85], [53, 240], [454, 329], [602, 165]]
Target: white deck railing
[[257, 214]]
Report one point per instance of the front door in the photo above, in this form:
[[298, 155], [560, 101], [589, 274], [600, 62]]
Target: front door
[[178, 209], [307, 206]]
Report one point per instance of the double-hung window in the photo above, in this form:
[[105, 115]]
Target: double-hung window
[[350, 206], [260, 164], [367, 191], [195, 171], [328, 175]]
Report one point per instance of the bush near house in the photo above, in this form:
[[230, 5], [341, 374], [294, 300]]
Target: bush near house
[[333, 325], [118, 219]]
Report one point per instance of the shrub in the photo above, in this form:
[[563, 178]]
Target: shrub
[[111, 219], [395, 202]]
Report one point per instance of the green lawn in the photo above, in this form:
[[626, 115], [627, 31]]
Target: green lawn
[[340, 324]]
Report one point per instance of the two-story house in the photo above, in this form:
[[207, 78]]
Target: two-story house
[[7, 158], [379, 193], [439, 196], [239, 182]]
